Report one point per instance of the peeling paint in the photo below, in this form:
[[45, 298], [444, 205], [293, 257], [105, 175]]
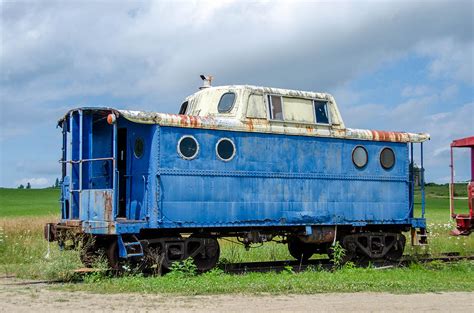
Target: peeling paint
[[265, 126], [203, 106]]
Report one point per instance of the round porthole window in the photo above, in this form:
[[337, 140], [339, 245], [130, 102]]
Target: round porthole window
[[225, 149], [226, 103], [138, 148], [188, 147], [360, 156], [387, 158]]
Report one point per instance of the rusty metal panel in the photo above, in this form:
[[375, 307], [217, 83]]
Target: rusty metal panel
[[264, 126], [97, 205], [276, 180]]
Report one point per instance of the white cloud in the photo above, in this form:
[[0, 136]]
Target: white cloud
[[451, 58], [36, 182], [147, 55], [441, 151], [154, 50], [416, 91], [450, 91], [416, 114]]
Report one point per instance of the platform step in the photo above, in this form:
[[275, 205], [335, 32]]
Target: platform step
[[131, 255], [130, 249], [419, 237], [422, 239], [129, 244]]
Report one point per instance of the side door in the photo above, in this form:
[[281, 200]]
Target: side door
[[138, 175]]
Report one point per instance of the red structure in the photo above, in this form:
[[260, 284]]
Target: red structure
[[464, 222]]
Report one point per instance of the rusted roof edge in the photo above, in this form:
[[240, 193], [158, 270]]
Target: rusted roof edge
[[257, 125], [264, 126]]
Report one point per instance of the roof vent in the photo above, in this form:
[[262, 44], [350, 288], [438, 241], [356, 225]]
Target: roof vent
[[206, 81]]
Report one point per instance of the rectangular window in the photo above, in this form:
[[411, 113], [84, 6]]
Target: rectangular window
[[256, 107], [321, 112], [298, 110], [275, 107]]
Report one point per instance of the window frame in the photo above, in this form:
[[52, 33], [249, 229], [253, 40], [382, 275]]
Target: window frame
[[265, 107], [269, 107], [366, 153], [233, 153], [233, 102], [271, 118], [394, 158], [137, 139], [184, 106], [179, 150], [329, 123]]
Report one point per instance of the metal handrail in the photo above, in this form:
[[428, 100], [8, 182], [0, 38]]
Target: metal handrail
[[87, 160], [422, 177], [135, 175]]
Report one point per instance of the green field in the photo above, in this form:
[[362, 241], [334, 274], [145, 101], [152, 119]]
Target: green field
[[42, 202], [22, 253], [434, 277], [45, 202], [28, 202], [433, 190]]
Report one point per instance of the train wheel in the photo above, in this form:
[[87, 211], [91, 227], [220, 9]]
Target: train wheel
[[117, 263], [373, 246], [395, 253], [207, 255], [90, 251], [88, 257], [300, 250], [350, 249], [154, 260], [112, 254]]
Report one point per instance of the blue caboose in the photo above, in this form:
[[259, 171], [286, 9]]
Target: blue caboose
[[250, 162]]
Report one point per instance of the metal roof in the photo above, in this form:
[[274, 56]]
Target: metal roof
[[463, 142], [270, 90], [259, 126]]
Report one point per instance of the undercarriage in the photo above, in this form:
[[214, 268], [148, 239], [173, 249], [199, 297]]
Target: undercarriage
[[152, 249]]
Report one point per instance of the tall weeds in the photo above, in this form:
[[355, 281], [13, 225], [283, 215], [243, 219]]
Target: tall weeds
[[23, 251]]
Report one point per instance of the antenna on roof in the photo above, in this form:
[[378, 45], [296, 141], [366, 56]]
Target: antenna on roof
[[206, 81]]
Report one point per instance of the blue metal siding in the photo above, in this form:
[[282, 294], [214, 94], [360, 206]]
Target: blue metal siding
[[101, 171], [278, 180], [273, 180], [137, 173], [75, 155], [97, 204]]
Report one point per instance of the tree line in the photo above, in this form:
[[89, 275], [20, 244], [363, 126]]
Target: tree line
[[28, 185]]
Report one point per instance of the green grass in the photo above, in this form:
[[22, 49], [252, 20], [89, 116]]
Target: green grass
[[22, 251], [433, 277], [460, 190], [28, 202], [41, 202]]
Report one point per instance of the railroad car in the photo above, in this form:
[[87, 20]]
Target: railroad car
[[464, 221], [255, 163]]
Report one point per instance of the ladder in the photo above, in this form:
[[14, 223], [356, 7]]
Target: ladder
[[129, 248]]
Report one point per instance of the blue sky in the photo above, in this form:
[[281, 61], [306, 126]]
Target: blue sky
[[391, 65]]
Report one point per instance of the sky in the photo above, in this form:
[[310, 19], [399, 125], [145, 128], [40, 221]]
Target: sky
[[391, 65]]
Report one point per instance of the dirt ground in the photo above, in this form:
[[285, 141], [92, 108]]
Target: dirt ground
[[30, 296]]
